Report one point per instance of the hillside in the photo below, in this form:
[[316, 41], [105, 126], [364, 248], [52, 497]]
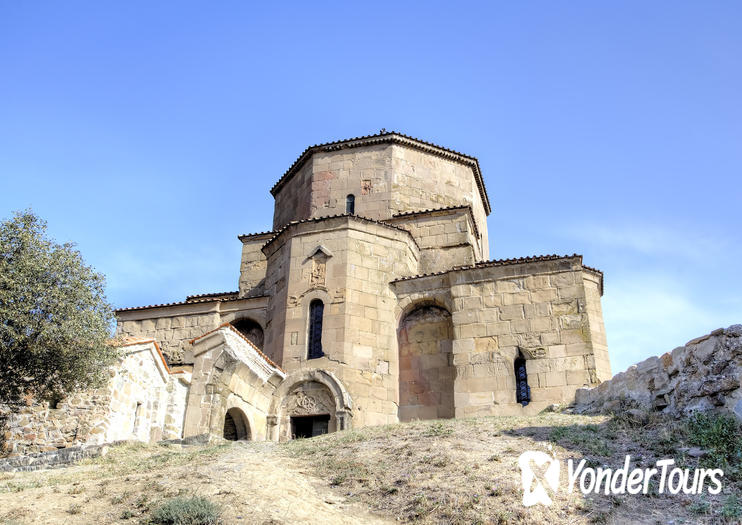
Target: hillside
[[445, 471]]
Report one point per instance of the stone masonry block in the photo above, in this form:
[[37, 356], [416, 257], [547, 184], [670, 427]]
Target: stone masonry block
[[511, 312]]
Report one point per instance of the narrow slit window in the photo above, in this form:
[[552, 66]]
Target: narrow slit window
[[350, 204], [522, 390], [316, 310]]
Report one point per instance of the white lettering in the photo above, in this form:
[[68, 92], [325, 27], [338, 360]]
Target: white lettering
[[648, 477], [716, 480], [664, 463], [676, 473], [621, 474], [572, 475], [634, 482], [589, 488]]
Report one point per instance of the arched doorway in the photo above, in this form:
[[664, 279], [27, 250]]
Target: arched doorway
[[251, 330], [426, 372], [315, 393], [236, 426], [309, 409]]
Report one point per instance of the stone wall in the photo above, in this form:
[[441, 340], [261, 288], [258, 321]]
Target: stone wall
[[347, 263], [703, 375], [174, 326], [38, 427], [424, 181], [539, 310], [446, 238], [253, 264], [52, 458], [132, 406]]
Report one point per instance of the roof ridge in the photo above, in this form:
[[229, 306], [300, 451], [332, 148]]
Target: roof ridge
[[214, 294]]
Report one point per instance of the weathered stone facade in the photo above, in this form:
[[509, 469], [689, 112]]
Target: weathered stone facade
[[704, 375], [135, 404], [372, 301]]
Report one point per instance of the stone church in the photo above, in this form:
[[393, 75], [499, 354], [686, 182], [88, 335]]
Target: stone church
[[371, 301]]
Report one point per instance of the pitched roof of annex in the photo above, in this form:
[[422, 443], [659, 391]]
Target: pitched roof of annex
[[242, 336], [131, 341], [389, 137]]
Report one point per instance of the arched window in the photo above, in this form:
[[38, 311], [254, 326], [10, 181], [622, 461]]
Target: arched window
[[522, 390], [316, 309], [350, 204], [251, 330]]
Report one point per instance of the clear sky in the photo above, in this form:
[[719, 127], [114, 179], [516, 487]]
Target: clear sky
[[150, 133]]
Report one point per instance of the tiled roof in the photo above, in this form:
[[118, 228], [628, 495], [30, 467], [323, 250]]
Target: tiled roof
[[210, 298], [390, 137], [338, 216], [221, 295], [443, 209], [131, 341], [255, 235], [504, 262], [258, 350]]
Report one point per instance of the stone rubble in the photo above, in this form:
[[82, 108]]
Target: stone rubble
[[704, 375]]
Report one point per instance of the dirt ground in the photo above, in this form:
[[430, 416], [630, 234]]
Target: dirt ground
[[250, 481], [445, 471]]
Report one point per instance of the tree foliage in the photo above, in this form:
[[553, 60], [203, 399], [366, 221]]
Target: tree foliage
[[55, 322]]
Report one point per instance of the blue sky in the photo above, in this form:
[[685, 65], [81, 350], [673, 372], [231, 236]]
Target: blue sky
[[150, 133]]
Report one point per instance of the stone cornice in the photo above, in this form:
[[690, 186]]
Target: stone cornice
[[509, 262]]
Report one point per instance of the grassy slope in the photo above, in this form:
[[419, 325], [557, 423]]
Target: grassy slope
[[448, 471], [465, 471]]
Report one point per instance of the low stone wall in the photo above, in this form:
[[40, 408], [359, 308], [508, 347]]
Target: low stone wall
[[142, 401], [56, 458], [38, 428], [703, 375]]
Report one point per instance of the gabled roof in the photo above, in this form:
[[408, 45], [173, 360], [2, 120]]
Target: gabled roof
[[389, 137], [242, 336], [131, 341]]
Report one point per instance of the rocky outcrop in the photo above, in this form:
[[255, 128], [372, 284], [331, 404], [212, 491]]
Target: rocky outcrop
[[703, 375]]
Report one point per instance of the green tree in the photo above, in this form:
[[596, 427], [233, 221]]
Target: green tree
[[55, 322]]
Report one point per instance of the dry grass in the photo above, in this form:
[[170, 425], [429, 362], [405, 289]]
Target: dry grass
[[447, 471], [465, 471]]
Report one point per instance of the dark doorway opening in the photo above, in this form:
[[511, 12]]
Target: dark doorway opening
[[236, 426], [230, 429], [309, 426]]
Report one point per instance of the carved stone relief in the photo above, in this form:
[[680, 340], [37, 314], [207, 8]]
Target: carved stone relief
[[308, 402]]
